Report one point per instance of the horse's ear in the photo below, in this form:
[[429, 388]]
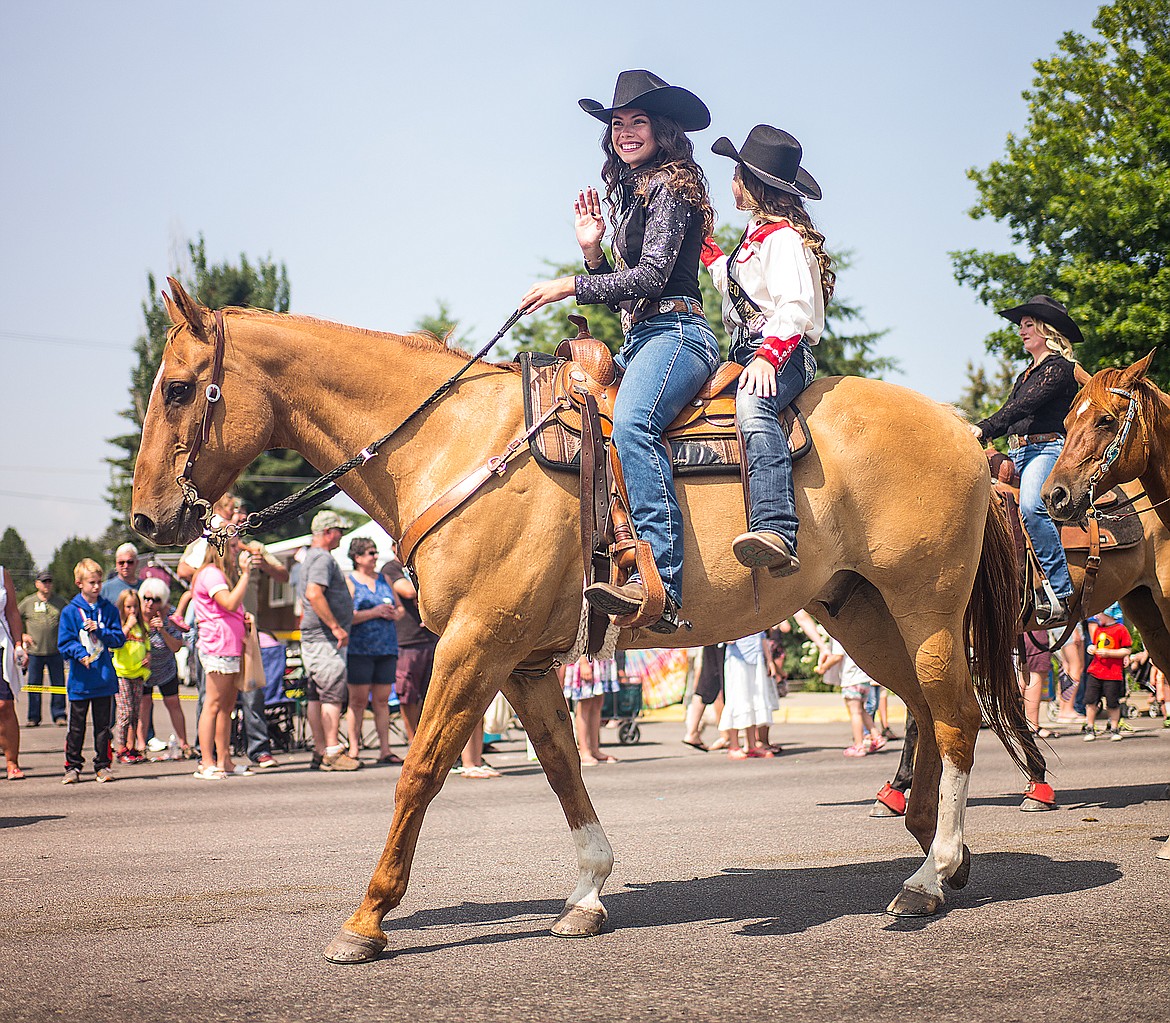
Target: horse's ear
[[1139, 369], [172, 309], [1081, 375], [183, 308]]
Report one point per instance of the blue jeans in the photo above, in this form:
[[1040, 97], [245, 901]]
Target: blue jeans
[[1034, 462], [666, 358], [769, 462], [37, 663]]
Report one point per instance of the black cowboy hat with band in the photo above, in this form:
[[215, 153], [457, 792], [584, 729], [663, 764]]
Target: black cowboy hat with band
[[646, 91], [773, 156], [1042, 307]]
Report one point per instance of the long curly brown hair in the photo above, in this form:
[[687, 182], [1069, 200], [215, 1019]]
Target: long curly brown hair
[[772, 203], [674, 163]]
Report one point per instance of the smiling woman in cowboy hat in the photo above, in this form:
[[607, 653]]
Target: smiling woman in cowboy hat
[[775, 286], [660, 211], [1033, 419]]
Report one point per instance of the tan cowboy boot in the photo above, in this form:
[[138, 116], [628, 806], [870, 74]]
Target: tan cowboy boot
[[765, 549]]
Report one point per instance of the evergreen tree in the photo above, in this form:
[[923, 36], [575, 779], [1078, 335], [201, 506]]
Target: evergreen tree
[[262, 285], [68, 555], [1085, 191], [17, 560]]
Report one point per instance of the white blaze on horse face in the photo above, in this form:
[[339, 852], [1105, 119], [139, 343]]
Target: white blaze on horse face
[[595, 860], [946, 851], [1082, 408], [158, 376]]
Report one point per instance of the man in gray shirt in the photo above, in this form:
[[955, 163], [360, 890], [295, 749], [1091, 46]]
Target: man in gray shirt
[[328, 613]]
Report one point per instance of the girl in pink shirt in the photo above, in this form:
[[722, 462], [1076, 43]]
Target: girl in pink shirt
[[218, 595]]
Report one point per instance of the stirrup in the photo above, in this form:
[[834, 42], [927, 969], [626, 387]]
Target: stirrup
[[1052, 616]]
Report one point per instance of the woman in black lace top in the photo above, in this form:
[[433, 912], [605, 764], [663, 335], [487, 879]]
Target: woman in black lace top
[[1033, 420], [660, 212]]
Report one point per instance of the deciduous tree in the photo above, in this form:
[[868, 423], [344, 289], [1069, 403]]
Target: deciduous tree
[[1085, 190]]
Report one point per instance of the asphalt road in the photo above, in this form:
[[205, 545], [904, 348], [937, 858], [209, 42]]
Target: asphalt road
[[742, 889]]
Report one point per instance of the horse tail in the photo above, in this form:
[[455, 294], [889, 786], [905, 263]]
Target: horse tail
[[990, 623]]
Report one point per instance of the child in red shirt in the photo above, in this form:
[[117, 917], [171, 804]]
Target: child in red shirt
[[1111, 645]]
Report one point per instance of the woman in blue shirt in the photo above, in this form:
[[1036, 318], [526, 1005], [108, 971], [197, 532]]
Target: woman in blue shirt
[[373, 648]]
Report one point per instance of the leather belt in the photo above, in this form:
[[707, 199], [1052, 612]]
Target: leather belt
[[668, 305], [1019, 440]]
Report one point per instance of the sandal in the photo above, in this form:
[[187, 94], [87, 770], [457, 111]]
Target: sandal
[[479, 772], [391, 758], [15, 773], [211, 773], [737, 754]]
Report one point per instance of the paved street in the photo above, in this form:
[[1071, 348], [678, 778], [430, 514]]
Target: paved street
[[741, 889]]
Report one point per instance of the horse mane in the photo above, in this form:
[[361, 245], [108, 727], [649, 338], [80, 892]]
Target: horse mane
[[421, 340]]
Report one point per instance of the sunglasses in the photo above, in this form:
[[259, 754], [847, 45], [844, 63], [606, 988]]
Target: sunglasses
[[364, 554], [150, 600], [132, 561]]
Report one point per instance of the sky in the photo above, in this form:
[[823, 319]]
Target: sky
[[395, 155]]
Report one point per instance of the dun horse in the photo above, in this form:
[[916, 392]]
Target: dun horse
[[903, 554], [1118, 431]]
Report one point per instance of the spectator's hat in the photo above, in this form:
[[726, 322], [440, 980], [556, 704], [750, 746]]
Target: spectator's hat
[[774, 157], [45, 576], [1043, 307], [324, 520], [1113, 611], [646, 91]]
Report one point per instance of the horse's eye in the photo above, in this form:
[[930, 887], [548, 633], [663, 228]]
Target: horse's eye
[[1104, 422], [178, 391]]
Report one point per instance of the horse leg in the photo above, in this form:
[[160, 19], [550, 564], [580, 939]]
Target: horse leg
[[865, 627], [464, 681], [942, 671], [891, 798], [540, 705]]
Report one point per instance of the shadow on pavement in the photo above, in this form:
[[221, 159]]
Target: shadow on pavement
[[769, 901], [21, 822]]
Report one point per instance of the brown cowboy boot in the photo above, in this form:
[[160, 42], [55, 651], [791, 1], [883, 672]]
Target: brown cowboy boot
[[625, 600], [765, 549]]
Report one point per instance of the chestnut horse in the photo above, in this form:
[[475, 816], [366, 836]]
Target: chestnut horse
[[904, 556], [1118, 431]]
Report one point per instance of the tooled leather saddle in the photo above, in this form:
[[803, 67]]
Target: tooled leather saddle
[[573, 392]]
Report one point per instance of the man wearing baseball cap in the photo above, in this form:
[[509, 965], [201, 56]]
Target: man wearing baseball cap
[[41, 612], [325, 627]]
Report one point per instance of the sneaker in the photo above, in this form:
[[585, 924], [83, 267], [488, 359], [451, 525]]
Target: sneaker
[[1117, 736], [239, 771], [266, 760], [60, 722], [72, 777], [873, 743], [156, 745], [1090, 735], [339, 762], [104, 774], [856, 751], [32, 724], [130, 756]]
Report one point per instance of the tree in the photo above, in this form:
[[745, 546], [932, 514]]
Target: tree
[[443, 325], [1085, 191], [17, 561], [67, 556], [839, 352], [263, 285]]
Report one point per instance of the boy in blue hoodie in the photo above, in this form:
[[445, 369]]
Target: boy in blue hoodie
[[89, 629]]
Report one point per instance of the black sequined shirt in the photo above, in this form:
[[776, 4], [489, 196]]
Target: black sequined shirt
[[656, 248], [1040, 399]]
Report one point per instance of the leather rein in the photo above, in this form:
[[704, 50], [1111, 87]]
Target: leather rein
[[323, 487]]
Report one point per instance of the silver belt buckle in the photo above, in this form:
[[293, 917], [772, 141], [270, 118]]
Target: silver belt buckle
[[666, 306], [1015, 442]]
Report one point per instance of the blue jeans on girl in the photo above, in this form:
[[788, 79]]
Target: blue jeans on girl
[[768, 459], [666, 358], [1034, 462]]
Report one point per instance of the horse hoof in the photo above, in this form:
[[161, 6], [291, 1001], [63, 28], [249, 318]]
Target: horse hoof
[[1035, 806], [879, 809], [889, 803], [1164, 852], [576, 922], [909, 902], [349, 947], [961, 876]]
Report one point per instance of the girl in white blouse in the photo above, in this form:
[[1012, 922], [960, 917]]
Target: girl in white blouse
[[775, 285]]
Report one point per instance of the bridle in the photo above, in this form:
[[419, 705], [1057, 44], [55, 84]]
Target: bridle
[[213, 395], [319, 490], [1114, 449]]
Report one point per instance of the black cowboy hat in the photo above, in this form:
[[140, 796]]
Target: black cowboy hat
[[1042, 307], [773, 156], [646, 91]]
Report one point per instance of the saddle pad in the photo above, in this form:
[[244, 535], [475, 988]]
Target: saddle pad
[[559, 449]]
